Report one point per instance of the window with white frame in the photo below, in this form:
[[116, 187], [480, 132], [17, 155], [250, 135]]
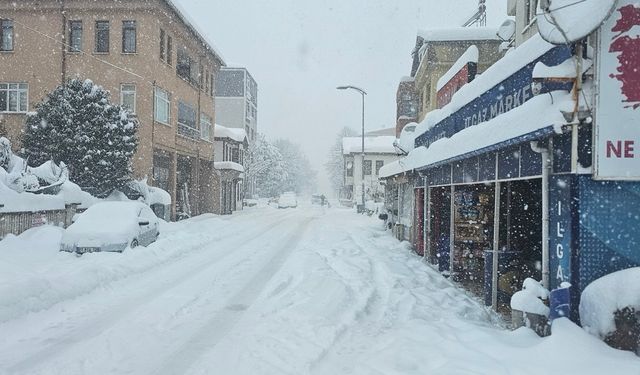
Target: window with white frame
[[14, 97], [205, 127], [162, 106], [128, 97]]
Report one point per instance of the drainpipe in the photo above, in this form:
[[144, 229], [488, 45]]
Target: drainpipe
[[63, 68], [546, 167]]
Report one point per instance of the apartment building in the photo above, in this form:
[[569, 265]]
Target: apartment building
[[230, 150], [151, 59], [237, 100], [379, 151]]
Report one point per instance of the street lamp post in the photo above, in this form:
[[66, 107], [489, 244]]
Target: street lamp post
[[363, 93]]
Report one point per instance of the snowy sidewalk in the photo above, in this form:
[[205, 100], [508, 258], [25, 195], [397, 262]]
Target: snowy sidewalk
[[264, 292]]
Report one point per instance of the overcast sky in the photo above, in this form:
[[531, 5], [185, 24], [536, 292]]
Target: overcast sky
[[300, 50]]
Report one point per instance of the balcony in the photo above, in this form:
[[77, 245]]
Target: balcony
[[188, 131]]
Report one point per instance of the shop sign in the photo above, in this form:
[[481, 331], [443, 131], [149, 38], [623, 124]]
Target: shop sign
[[560, 234], [617, 133], [502, 98]]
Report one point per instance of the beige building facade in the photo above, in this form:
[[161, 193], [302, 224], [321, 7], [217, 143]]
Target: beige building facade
[[151, 60], [437, 50]]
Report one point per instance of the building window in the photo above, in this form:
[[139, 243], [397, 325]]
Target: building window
[[14, 97], [128, 97], [187, 125], [379, 164], [129, 37], [102, 36], [75, 36], [183, 67], [162, 106], [206, 128], [367, 167], [6, 35], [169, 50], [212, 90], [163, 45]]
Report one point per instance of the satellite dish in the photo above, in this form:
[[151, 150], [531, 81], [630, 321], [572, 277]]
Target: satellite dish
[[567, 21], [507, 30], [349, 165]]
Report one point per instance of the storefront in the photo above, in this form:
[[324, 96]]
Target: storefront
[[509, 187]]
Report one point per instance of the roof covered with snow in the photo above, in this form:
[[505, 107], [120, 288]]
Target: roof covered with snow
[[235, 134], [542, 111], [515, 60], [188, 21], [372, 145], [470, 56], [459, 33], [228, 165]]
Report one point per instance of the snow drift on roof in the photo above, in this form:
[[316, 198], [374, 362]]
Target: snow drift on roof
[[515, 60], [184, 16], [372, 145], [470, 56], [236, 134], [541, 111], [228, 165], [460, 33]]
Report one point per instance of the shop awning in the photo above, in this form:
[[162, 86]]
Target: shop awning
[[536, 119]]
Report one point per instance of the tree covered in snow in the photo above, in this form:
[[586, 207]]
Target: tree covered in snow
[[265, 165], [300, 177], [335, 162], [76, 124]]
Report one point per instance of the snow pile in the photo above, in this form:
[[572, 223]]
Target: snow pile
[[36, 275], [530, 298], [471, 55], [565, 70], [603, 297], [28, 202], [576, 19], [372, 145], [235, 134]]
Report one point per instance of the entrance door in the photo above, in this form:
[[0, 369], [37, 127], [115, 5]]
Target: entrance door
[[440, 224], [418, 222]]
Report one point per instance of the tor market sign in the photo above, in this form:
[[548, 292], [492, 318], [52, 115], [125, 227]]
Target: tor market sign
[[617, 132]]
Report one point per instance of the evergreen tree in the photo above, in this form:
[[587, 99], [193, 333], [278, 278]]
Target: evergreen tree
[[77, 125]]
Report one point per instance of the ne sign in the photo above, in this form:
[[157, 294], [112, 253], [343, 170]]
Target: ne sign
[[617, 154]]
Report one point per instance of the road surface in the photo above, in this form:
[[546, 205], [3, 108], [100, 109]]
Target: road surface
[[266, 291]]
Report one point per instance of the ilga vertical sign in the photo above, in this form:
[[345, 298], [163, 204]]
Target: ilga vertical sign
[[617, 154], [560, 233]]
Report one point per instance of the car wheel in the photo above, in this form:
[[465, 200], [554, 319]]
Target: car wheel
[[134, 243]]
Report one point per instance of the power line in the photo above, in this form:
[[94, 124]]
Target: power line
[[66, 45]]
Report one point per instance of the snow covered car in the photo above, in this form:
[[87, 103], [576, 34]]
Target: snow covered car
[[288, 200], [111, 226]]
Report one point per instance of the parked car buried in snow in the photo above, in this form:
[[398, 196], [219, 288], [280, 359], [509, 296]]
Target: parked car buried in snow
[[287, 200], [111, 227]]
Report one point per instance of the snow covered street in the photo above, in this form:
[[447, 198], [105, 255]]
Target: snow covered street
[[267, 291]]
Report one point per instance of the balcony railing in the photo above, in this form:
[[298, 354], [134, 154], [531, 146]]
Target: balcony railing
[[188, 131]]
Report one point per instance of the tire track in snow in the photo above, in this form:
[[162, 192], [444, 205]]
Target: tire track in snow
[[223, 322], [129, 303]]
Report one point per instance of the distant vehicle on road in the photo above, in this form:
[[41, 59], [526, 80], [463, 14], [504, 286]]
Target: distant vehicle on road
[[319, 199], [288, 200], [111, 227]]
